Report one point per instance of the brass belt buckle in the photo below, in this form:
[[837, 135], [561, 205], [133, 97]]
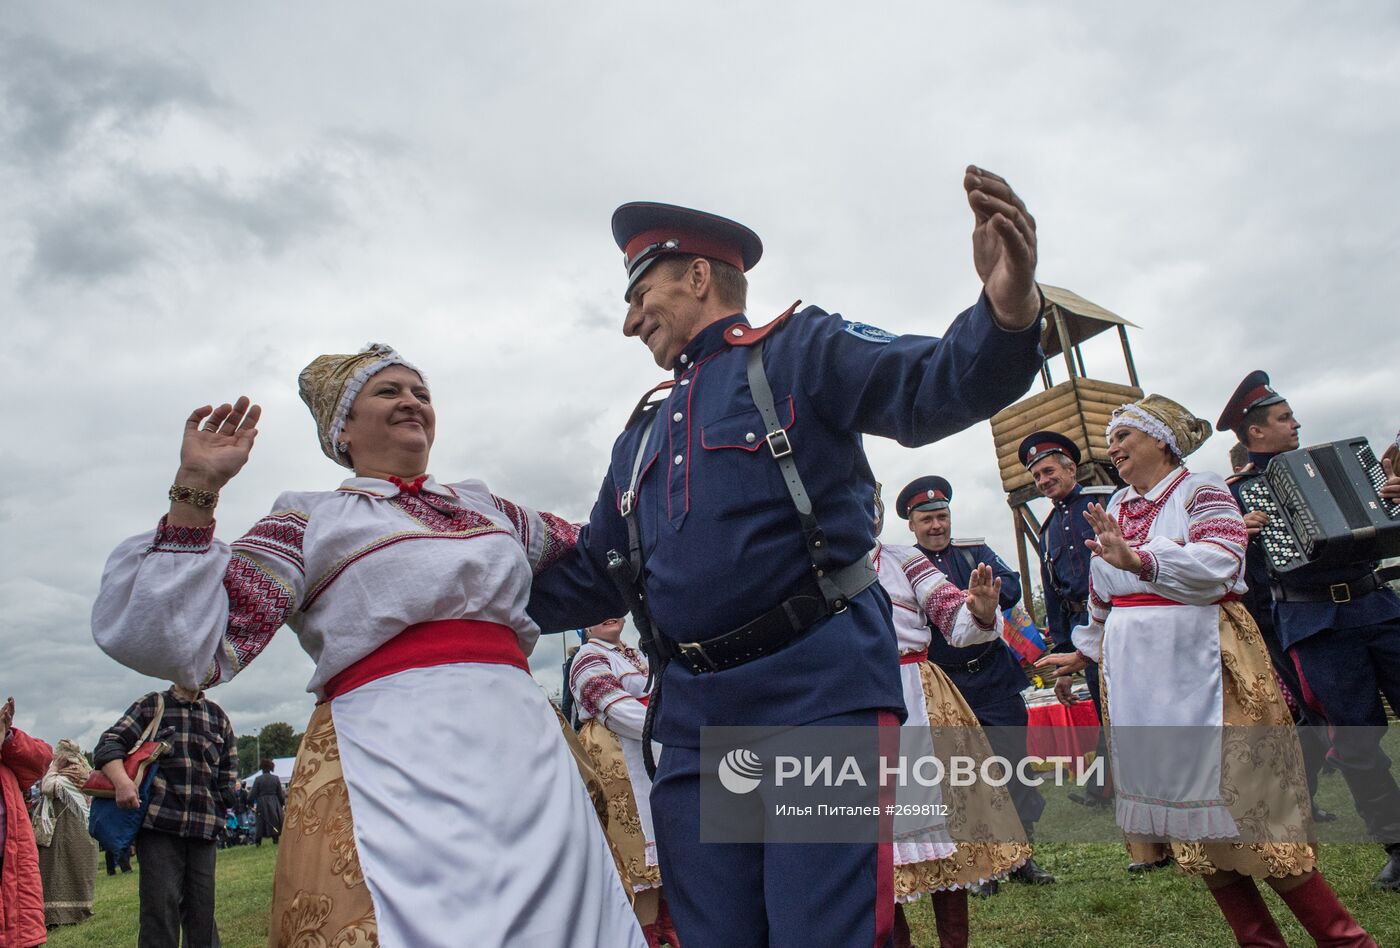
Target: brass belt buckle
[[691, 649], [1340, 592]]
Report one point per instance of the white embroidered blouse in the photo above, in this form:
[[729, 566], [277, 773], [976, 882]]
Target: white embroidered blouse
[[609, 683], [922, 597], [346, 570]]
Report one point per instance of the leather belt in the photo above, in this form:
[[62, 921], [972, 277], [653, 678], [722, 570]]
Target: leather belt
[[777, 628], [973, 666], [1338, 593]]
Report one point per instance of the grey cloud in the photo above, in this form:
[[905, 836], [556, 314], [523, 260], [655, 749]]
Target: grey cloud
[[86, 241], [55, 96], [145, 217], [267, 214]]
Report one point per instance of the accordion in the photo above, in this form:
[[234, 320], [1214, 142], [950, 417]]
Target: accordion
[[1324, 507]]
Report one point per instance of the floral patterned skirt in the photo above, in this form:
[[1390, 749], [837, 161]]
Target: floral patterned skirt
[[1261, 769], [981, 821]]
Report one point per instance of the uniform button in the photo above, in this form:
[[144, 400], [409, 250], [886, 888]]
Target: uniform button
[[684, 359], [737, 332], [676, 417], [685, 381], [750, 438], [679, 458]]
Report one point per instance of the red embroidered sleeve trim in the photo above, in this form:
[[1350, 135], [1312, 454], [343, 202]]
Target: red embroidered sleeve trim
[[257, 606], [173, 539], [561, 538], [519, 519], [1148, 572], [941, 605], [278, 535]]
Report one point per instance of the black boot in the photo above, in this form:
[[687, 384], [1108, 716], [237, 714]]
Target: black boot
[[985, 890], [1389, 878], [1323, 816], [1028, 872]]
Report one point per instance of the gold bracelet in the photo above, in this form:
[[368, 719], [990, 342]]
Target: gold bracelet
[[203, 499]]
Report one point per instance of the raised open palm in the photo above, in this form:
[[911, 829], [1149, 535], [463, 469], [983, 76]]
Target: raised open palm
[[983, 594], [217, 443]]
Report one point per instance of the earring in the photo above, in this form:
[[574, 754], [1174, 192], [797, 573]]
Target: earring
[[343, 447]]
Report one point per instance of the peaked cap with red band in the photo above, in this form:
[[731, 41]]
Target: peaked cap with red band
[[924, 493], [1253, 392], [645, 232], [1041, 444]]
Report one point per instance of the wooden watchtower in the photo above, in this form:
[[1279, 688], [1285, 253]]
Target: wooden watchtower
[[1078, 408]]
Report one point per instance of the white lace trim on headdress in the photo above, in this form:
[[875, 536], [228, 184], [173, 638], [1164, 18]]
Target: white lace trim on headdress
[[358, 380], [1131, 416]]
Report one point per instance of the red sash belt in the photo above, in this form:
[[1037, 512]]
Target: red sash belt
[[914, 658], [445, 642], [1152, 599]]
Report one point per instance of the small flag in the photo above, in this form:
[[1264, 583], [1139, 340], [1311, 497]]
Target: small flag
[[1020, 632]]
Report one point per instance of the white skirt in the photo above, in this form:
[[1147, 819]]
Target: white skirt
[[471, 821]]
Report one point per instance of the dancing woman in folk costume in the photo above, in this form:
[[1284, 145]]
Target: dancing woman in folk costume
[[410, 597], [981, 839], [608, 680], [1218, 782]]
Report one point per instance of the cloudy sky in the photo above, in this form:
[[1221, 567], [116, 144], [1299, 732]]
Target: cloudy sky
[[196, 199]]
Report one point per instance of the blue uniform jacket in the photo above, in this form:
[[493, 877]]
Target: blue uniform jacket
[[998, 675], [1295, 621], [1064, 563], [720, 532]]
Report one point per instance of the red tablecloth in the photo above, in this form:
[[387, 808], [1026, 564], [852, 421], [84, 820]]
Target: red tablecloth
[[1060, 731]]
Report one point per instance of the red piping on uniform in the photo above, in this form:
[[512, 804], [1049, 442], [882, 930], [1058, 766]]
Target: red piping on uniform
[[428, 644], [884, 849]]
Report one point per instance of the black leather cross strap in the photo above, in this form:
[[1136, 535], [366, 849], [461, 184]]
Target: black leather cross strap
[[780, 626], [1338, 593]]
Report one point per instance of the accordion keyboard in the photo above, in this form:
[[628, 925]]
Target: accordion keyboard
[[1280, 547], [1376, 473]]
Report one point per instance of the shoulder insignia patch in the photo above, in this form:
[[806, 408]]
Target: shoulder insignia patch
[[1101, 490], [968, 541], [870, 333]]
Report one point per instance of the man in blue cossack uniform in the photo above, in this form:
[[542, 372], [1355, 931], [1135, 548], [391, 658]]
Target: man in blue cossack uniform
[[737, 502], [1338, 627], [1053, 462], [988, 675]]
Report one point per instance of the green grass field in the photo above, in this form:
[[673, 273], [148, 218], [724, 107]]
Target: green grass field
[[1095, 903]]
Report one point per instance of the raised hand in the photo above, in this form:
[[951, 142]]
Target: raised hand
[[1110, 543], [983, 592], [217, 443], [1390, 490], [1003, 247], [7, 717]]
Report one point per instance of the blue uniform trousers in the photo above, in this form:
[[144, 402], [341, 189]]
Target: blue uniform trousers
[[1343, 673], [756, 895]]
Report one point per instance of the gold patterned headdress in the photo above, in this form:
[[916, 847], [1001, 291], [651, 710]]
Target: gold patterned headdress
[[1163, 419], [329, 386]]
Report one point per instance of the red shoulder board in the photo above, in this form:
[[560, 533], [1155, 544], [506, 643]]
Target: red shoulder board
[[646, 400], [752, 335]]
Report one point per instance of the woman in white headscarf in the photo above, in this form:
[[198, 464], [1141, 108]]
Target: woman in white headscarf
[[409, 594], [67, 854], [1206, 761]]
